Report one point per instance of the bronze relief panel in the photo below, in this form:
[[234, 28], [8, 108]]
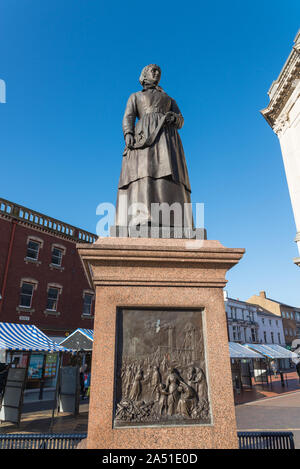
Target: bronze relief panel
[[160, 376]]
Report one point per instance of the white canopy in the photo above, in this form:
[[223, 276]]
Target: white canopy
[[272, 350], [237, 350]]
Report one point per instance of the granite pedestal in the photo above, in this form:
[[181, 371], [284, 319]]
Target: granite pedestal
[[176, 279]]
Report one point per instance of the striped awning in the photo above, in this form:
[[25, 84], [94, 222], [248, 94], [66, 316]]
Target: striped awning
[[88, 333], [237, 350], [27, 338]]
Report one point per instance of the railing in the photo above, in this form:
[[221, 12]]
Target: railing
[[41, 441], [266, 440], [18, 212], [247, 440]]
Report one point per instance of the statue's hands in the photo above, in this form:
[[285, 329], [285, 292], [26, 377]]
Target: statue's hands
[[129, 139], [170, 118]]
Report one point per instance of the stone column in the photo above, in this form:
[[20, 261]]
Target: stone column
[[283, 115]]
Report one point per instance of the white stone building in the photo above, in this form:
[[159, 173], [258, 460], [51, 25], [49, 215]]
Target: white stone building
[[283, 115], [270, 328], [242, 321], [250, 323]]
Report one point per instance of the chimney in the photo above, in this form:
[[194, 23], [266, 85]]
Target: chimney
[[262, 294]]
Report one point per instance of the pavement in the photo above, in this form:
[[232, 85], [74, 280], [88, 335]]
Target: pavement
[[42, 422], [274, 388], [260, 408], [277, 413]]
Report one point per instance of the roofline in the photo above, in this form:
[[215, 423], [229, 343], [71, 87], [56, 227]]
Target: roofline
[[241, 301], [34, 219]]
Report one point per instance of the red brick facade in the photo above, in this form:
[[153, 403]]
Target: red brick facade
[[18, 226]]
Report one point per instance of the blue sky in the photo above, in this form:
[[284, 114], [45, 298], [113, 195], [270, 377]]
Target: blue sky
[[69, 68]]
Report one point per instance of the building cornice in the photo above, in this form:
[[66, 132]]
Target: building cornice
[[43, 223], [282, 89]]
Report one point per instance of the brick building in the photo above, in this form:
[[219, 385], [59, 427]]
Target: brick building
[[42, 280]]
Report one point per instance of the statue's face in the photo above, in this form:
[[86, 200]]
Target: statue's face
[[153, 74]]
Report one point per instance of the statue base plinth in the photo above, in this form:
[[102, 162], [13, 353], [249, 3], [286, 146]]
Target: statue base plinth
[[145, 231], [177, 284]]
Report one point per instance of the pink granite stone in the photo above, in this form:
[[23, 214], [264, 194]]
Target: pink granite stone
[[174, 273]]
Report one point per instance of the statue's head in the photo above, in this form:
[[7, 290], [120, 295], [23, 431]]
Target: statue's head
[[150, 74]]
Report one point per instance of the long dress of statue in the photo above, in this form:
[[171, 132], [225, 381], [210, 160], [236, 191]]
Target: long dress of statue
[[154, 168]]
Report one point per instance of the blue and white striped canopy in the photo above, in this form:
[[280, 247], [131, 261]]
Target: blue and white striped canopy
[[89, 333], [27, 338]]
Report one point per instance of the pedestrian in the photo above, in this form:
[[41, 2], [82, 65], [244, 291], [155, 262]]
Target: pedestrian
[[274, 368], [81, 381], [3, 377], [298, 369], [87, 383]]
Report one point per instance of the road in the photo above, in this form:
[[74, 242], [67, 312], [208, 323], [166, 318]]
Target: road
[[280, 413]]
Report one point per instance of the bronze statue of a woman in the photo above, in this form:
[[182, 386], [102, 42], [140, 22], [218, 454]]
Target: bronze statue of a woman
[[154, 167]]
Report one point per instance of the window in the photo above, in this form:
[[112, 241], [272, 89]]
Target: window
[[52, 298], [292, 317], [272, 337], [26, 294], [283, 314], [262, 320], [87, 304], [253, 335], [270, 322], [279, 339], [33, 248], [287, 315], [276, 323], [56, 256], [265, 337]]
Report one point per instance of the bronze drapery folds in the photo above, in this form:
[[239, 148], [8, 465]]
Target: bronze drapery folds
[[154, 167]]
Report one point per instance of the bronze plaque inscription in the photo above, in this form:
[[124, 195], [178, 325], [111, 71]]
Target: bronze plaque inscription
[[160, 376]]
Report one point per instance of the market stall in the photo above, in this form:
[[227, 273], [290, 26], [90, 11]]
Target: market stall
[[242, 360], [80, 341], [273, 353], [33, 360]]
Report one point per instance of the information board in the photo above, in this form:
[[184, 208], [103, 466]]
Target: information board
[[69, 389], [50, 365], [13, 395], [35, 369]]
